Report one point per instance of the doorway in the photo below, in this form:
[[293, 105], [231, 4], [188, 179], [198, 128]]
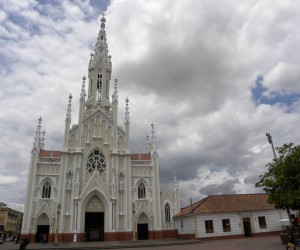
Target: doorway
[[247, 227], [143, 231], [41, 230], [94, 226]]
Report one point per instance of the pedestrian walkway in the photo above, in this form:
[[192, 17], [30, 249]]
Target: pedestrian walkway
[[104, 244], [250, 243]]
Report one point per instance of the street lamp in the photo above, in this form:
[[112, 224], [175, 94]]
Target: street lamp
[[133, 222], [57, 223], [269, 136]]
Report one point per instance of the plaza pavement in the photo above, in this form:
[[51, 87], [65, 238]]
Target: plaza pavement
[[253, 243]]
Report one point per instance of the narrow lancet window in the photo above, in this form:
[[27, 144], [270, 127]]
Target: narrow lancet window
[[167, 213], [141, 191], [46, 190], [99, 85]]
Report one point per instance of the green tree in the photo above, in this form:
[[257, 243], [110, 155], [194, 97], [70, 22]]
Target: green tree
[[282, 180]]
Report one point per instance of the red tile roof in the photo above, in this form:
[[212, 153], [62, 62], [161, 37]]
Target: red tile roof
[[142, 157], [228, 203], [50, 154]]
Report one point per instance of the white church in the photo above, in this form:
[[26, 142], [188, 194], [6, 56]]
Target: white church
[[95, 188]]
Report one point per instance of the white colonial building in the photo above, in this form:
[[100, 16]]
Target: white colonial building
[[230, 216], [95, 188]]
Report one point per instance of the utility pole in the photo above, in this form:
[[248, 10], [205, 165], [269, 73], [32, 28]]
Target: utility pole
[[269, 136]]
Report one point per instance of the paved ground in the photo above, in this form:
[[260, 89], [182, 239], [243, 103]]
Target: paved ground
[[254, 243]]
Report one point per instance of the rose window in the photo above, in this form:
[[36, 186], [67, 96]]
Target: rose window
[[96, 162]]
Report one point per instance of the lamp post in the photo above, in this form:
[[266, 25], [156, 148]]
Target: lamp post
[[57, 224], [269, 136], [133, 222]]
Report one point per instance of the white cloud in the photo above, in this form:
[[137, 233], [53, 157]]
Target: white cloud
[[284, 78], [8, 179], [188, 66]]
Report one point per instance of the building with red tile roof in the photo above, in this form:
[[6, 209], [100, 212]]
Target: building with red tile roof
[[236, 215]]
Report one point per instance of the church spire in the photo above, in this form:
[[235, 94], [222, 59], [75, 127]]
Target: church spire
[[82, 94], [127, 127], [37, 139], [67, 123], [127, 111], [148, 143], [68, 114], [115, 94], [153, 146], [99, 75], [43, 140], [175, 181], [100, 54]]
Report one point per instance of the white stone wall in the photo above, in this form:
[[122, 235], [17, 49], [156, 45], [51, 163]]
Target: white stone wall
[[195, 224]]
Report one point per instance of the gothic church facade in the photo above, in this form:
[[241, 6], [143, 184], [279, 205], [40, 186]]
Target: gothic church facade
[[94, 188]]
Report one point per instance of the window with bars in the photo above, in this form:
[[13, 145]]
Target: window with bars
[[209, 226]]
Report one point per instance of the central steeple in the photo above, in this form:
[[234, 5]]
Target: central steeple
[[99, 74]]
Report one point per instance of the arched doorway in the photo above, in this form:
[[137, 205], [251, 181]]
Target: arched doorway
[[142, 227], [43, 228], [94, 220]]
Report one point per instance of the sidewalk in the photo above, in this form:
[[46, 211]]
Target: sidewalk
[[249, 243], [104, 244]]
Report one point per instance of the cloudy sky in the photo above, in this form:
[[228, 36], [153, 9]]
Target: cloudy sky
[[213, 76]]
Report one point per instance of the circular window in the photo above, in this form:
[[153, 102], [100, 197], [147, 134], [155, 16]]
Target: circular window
[[96, 162]]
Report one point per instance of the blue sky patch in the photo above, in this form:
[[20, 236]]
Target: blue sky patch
[[276, 98]]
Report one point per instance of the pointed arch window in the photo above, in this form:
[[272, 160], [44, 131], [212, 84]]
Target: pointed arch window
[[99, 82], [107, 89], [90, 87], [99, 85], [46, 190], [96, 162], [167, 213], [141, 191]]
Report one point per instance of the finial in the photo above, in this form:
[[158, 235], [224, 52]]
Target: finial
[[127, 101], [43, 140], [153, 139], [83, 79], [70, 97], [103, 20], [127, 111], [175, 177], [37, 139], [116, 83], [148, 144]]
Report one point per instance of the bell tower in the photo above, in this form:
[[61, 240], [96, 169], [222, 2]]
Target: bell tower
[[99, 75]]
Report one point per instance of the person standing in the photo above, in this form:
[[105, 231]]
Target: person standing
[[44, 239]]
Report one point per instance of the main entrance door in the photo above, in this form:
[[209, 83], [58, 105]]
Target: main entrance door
[[40, 232], [94, 226], [142, 231]]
